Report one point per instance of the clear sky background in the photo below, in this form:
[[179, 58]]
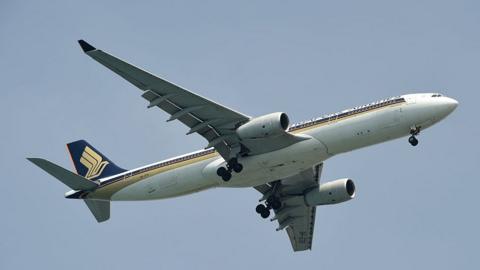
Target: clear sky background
[[416, 208]]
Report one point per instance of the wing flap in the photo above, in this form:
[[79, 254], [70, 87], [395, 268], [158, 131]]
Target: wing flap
[[294, 216], [300, 230]]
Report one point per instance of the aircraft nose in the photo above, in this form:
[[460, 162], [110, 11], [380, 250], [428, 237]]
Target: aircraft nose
[[445, 106], [450, 104]]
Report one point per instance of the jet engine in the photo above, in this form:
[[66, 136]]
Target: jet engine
[[269, 125], [333, 192]]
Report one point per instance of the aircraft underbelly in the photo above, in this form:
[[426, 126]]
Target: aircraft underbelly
[[257, 170], [177, 182], [325, 142], [264, 168]]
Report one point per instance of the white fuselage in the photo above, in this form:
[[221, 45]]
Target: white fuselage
[[328, 136]]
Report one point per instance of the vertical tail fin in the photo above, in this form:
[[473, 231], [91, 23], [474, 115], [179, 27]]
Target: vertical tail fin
[[89, 162]]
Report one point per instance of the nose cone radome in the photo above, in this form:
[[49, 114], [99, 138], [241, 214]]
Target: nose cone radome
[[445, 106], [450, 104]]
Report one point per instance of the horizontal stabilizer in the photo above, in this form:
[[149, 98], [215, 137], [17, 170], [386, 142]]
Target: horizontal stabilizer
[[99, 209], [65, 176]]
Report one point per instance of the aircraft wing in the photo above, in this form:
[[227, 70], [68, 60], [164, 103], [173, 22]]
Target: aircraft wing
[[294, 216], [211, 120]]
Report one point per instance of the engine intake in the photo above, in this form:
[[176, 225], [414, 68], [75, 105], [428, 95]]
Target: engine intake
[[269, 125], [333, 192]]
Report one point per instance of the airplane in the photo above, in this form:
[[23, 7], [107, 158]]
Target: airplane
[[283, 162]]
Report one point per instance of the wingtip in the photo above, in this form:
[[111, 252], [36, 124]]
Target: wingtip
[[35, 161], [85, 46]]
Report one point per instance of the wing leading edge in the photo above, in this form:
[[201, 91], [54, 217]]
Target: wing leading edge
[[211, 120], [216, 123]]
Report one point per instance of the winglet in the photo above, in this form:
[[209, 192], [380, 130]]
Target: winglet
[[85, 46]]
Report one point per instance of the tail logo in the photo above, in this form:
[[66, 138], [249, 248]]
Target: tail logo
[[94, 163]]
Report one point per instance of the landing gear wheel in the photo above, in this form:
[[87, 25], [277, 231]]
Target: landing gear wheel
[[227, 176], [221, 171], [224, 173], [413, 141], [265, 214], [232, 162], [237, 167], [233, 165], [414, 131], [260, 208]]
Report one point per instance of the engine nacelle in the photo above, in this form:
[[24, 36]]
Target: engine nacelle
[[269, 125], [333, 192]]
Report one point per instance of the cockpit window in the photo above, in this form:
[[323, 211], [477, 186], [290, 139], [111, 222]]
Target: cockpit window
[[436, 95]]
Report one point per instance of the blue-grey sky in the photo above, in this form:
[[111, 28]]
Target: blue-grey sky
[[416, 208]]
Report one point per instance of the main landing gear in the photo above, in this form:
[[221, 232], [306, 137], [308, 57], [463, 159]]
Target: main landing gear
[[232, 165], [414, 132], [272, 202]]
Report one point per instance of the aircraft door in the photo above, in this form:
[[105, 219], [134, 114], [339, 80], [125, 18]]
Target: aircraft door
[[397, 116], [393, 118]]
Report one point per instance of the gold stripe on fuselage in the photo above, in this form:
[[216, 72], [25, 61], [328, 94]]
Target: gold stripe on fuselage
[[308, 127], [105, 192], [108, 190]]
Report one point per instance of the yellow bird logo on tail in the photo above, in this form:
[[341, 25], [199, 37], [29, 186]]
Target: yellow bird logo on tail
[[94, 163]]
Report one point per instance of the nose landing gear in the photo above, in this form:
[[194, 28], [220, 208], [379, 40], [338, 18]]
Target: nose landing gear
[[413, 141], [232, 165], [414, 132]]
